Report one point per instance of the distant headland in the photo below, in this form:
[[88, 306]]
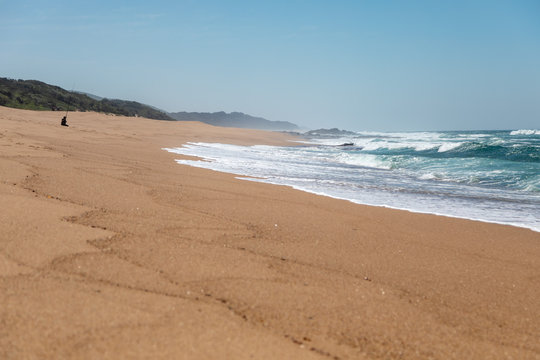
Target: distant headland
[[37, 95], [234, 119]]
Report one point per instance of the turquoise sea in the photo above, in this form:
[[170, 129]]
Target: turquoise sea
[[492, 176]]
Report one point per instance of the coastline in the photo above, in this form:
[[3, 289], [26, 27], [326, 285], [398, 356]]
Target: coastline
[[110, 247], [377, 178]]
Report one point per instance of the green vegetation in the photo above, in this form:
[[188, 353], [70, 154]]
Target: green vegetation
[[37, 95]]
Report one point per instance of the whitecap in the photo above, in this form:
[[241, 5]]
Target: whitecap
[[364, 160], [525, 132], [449, 146], [430, 176]]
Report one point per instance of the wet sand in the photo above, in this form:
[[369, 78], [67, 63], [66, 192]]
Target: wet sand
[[109, 249]]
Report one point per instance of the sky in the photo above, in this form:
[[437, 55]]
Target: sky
[[357, 65]]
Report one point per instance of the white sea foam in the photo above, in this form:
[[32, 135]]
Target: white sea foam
[[449, 146], [364, 160], [335, 141], [421, 135], [525, 132], [431, 176], [394, 145], [420, 184]]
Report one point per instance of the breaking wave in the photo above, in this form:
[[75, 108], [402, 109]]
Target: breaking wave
[[491, 176], [525, 132]]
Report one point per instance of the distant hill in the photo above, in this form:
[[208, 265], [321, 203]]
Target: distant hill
[[334, 132], [37, 95], [91, 96], [234, 119]]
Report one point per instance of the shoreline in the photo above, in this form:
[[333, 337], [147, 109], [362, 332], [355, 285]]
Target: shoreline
[[110, 249], [267, 180], [395, 208]]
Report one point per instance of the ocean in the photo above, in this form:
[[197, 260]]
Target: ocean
[[491, 176]]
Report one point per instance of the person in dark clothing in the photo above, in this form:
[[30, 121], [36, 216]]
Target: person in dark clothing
[[64, 121]]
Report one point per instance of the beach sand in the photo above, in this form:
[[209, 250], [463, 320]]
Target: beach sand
[[109, 250]]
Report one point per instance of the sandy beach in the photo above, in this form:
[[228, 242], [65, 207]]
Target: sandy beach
[[109, 249]]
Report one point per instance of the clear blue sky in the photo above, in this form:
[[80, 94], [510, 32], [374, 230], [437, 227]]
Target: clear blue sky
[[359, 65]]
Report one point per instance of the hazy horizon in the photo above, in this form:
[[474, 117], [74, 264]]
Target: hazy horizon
[[355, 65]]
